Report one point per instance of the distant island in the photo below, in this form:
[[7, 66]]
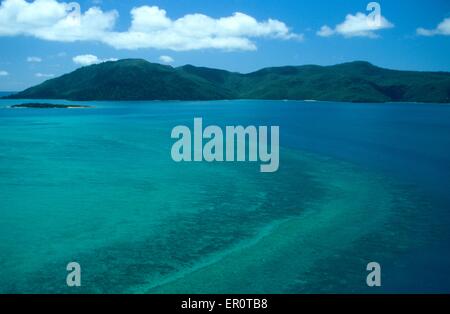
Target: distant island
[[47, 106], [136, 79]]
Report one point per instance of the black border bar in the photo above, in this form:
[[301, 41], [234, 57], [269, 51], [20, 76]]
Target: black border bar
[[275, 303]]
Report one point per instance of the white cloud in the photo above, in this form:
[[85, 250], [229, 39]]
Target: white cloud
[[358, 25], [86, 60], [442, 29], [325, 31], [4, 73], [34, 59], [166, 59], [44, 75], [150, 27], [53, 20], [89, 59]]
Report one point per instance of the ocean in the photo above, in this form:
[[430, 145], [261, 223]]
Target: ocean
[[357, 183]]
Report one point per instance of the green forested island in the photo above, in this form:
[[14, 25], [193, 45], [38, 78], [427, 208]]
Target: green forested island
[[136, 79]]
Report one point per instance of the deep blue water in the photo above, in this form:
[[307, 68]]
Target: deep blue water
[[2, 94], [81, 165]]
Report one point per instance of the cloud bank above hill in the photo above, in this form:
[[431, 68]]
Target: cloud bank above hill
[[150, 27], [357, 25]]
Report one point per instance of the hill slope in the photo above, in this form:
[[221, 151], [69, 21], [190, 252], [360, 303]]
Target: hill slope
[[135, 79]]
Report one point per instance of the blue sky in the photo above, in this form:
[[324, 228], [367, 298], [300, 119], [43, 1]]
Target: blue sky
[[36, 45]]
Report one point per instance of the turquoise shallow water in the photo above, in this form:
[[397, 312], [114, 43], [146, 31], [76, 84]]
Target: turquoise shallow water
[[357, 183]]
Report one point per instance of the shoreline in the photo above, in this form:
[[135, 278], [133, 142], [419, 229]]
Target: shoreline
[[310, 101]]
